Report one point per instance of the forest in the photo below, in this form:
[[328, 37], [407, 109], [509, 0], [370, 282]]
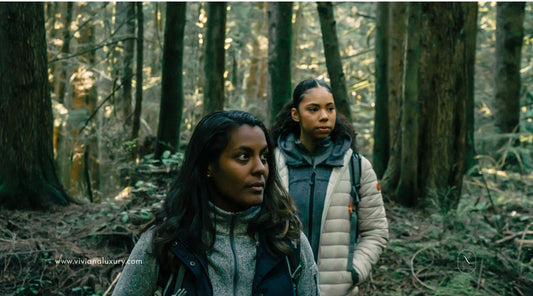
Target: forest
[[99, 100]]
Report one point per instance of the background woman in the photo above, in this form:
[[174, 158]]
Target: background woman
[[313, 156], [227, 227]]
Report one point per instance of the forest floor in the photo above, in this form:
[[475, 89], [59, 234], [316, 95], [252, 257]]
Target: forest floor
[[485, 247]]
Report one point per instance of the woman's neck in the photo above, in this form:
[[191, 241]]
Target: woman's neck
[[308, 143]]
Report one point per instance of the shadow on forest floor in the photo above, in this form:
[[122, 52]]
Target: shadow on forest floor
[[482, 248]]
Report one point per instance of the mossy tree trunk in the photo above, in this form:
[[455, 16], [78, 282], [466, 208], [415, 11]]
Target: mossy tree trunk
[[442, 96], [171, 108], [333, 58], [27, 175], [430, 139]]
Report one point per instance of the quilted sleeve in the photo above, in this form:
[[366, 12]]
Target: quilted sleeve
[[372, 221]]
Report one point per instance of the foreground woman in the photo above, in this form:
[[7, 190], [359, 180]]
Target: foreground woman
[[227, 227]]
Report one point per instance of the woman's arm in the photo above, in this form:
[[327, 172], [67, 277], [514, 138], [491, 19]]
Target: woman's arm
[[139, 276], [372, 221], [308, 281]]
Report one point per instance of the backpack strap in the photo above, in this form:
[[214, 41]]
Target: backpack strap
[[355, 177], [173, 282], [295, 268]]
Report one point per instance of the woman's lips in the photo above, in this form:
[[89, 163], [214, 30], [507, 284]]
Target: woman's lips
[[324, 129], [258, 187]]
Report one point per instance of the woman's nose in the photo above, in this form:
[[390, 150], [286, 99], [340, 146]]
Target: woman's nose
[[323, 115], [260, 166]]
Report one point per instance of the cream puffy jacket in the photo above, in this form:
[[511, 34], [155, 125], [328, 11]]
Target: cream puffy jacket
[[334, 277]]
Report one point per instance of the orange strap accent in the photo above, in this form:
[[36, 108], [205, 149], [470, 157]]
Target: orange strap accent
[[350, 207]]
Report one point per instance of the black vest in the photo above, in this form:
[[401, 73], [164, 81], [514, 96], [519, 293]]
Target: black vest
[[271, 273]]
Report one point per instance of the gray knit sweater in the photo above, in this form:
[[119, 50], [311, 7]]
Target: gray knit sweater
[[231, 261]]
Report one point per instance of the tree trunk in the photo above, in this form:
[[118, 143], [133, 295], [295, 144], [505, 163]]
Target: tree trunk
[[65, 50], [124, 101], [63, 141], [155, 44], [279, 56], [27, 175], [407, 189], [253, 77], [139, 80], [433, 119], [214, 57], [470, 62], [299, 22], [84, 175], [381, 146], [509, 35], [442, 95], [397, 33], [171, 108], [333, 58]]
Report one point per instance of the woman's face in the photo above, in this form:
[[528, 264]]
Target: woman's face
[[242, 170], [316, 115]]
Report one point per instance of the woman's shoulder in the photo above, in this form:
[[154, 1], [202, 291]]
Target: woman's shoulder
[[145, 240]]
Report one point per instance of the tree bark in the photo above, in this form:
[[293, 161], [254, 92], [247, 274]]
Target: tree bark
[[442, 96], [171, 108], [27, 175], [299, 22], [214, 57], [381, 146], [279, 56], [433, 121], [333, 58], [139, 80], [65, 50], [470, 62], [407, 190], [397, 38], [509, 35], [124, 101]]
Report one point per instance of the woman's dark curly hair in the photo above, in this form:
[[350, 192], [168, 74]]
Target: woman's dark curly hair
[[284, 124], [186, 207]]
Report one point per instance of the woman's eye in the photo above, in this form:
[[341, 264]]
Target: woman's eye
[[313, 110], [243, 157], [264, 158]]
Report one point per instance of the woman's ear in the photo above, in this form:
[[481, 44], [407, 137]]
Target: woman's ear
[[295, 115]]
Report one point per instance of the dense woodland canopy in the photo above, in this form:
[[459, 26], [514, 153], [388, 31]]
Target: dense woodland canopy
[[441, 96]]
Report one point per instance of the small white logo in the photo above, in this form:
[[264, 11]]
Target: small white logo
[[466, 261]]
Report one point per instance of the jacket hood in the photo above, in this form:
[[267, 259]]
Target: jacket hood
[[327, 152]]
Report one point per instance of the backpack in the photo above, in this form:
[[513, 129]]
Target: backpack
[[355, 177]]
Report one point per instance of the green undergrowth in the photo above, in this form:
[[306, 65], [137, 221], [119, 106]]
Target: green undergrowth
[[484, 247]]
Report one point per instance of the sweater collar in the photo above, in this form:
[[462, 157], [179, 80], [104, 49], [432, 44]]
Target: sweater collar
[[225, 220]]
